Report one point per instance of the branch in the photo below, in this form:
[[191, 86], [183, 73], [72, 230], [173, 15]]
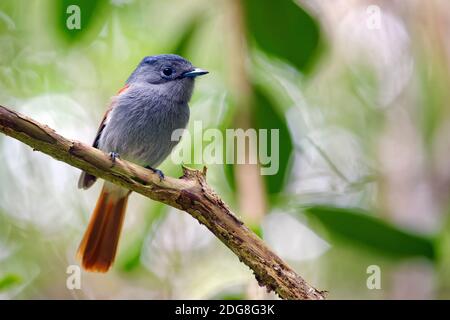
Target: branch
[[190, 193]]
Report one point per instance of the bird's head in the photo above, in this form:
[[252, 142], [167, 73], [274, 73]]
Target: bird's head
[[168, 74]]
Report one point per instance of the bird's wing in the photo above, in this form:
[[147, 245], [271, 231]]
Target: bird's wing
[[105, 117], [87, 180]]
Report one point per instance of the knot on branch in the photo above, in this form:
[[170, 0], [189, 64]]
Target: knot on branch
[[194, 174]]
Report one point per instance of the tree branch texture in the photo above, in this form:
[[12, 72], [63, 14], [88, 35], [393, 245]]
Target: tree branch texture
[[189, 193]]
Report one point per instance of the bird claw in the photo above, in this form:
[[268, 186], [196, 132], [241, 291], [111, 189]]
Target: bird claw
[[158, 172], [114, 155]]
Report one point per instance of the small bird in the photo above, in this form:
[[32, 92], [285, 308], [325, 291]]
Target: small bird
[[136, 127]]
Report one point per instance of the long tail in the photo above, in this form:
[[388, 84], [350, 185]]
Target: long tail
[[98, 248]]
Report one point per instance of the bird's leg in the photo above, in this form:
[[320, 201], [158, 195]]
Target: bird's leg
[[158, 172], [114, 155]]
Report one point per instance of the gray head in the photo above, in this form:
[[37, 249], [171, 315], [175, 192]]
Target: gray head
[[169, 74]]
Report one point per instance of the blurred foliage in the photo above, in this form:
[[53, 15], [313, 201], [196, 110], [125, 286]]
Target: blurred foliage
[[131, 258], [93, 15], [267, 117], [364, 229], [8, 281], [284, 29], [187, 36], [366, 126], [276, 27]]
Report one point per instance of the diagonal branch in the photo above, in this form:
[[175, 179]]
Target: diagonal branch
[[190, 193]]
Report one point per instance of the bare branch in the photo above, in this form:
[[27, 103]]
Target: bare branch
[[190, 193]]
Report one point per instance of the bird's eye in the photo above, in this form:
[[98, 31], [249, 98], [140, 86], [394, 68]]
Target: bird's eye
[[167, 71]]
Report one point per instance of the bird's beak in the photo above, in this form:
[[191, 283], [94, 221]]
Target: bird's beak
[[195, 73]]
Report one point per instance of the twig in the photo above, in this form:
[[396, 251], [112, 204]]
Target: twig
[[190, 193]]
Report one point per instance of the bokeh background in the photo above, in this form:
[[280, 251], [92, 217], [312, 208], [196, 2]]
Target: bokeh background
[[358, 89]]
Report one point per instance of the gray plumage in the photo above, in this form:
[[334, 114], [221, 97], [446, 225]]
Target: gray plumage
[[141, 119], [140, 126]]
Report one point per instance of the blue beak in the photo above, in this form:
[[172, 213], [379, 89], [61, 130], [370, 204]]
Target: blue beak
[[195, 73]]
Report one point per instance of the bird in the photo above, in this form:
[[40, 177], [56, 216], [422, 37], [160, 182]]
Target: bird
[[136, 127]]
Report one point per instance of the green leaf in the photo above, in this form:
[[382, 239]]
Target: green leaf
[[257, 229], [283, 29], [266, 116], [9, 281], [130, 259], [434, 95], [182, 46], [92, 15], [230, 296], [362, 228]]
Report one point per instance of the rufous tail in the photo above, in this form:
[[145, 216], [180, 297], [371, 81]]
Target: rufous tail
[[98, 248]]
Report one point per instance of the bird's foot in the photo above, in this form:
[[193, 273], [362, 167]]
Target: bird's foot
[[158, 172], [113, 156]]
